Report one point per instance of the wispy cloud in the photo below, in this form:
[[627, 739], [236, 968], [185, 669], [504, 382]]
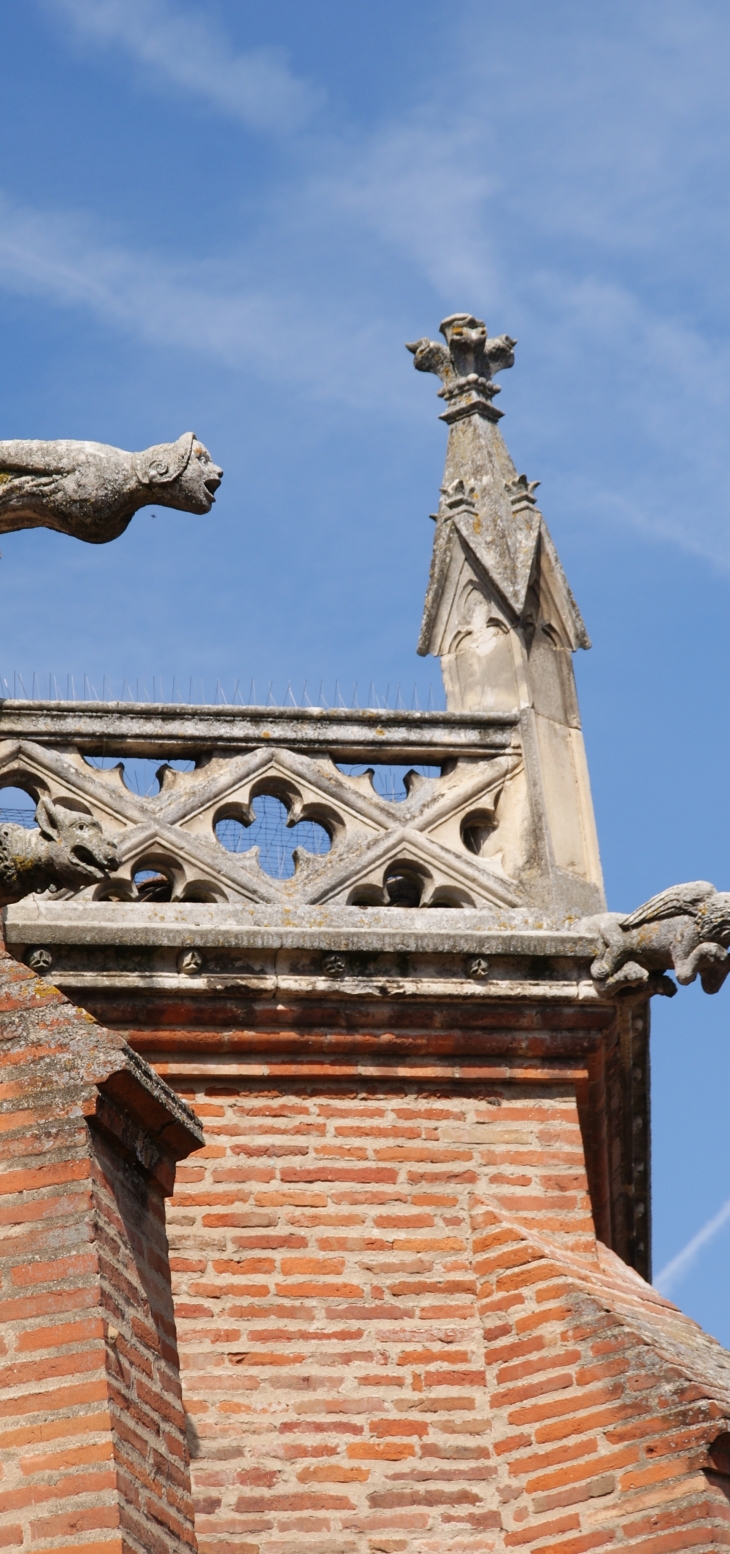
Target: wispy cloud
[[185, 48], [423, 189], [66, 260], [569, 225], [675, 1270]]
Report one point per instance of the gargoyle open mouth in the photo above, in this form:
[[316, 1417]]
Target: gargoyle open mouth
[[90, 865], [211, 485]]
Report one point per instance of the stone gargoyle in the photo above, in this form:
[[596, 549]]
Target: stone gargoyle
[[67, 851], [91, 490], [685, 929]]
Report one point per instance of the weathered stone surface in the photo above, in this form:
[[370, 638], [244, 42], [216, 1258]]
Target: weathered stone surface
[[67, 851], [685, 929], [500, 615], [504, 832], [91, 490], [485, 502], [172, 730], [466, 366], [466, 837]]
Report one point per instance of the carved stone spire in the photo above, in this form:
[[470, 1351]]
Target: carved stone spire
[[487, 511], [499, 612]]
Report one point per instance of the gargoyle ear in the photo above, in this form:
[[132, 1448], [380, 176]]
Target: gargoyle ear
[[158, 466], [158, 470], [48, 819]]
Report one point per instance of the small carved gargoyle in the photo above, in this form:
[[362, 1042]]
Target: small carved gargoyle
[[67, 851], [685, 929], [91, 490]]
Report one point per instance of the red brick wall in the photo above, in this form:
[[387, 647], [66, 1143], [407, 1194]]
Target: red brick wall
[[92, 1443], [331, 1342], [398, 1331], [603, 1399], [143, 1377]]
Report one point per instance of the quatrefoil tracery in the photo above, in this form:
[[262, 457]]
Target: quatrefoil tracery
[[423, 850]]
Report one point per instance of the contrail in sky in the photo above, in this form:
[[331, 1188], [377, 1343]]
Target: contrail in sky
[[673, 1270]]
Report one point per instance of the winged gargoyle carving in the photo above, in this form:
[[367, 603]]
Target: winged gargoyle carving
[[685, 929]]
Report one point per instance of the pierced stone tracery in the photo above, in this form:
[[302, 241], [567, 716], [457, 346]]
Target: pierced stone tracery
[[275, 824]]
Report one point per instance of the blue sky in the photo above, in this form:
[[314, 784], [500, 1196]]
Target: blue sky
[[228, 218]]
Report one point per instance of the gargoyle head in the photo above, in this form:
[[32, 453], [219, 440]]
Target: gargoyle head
[[76, 852], [713, 918], [181, 474]]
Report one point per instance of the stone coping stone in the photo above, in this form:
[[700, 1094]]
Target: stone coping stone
[[449, 931], [347, 733]]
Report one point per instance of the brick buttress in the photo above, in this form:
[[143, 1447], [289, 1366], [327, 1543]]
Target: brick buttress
[[404, 1263], [93, 1453]]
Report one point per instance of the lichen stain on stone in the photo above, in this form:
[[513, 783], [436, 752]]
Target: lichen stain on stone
[[44, 989]]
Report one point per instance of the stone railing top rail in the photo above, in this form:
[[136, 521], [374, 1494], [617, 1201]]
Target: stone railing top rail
[[173, 729]]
